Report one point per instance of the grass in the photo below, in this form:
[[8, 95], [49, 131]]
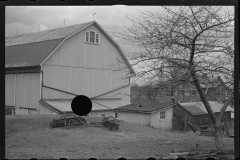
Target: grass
[[30, 136]]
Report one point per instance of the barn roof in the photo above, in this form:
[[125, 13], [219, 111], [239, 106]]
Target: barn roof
[[146, 107], [34, 48], [64, 105], [30, 54]]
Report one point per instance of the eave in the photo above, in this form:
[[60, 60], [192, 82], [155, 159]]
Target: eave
[[28, 69]]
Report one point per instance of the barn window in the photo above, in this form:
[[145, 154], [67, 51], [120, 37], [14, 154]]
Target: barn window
[[97, 38], [92, 37], [116, 115], [162, 114], [87, 36]]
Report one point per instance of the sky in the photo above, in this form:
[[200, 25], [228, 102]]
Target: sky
[[28, 19]]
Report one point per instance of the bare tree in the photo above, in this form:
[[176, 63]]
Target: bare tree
[[194, 39]]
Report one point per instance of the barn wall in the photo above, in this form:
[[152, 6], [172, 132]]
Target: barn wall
[[164, 124], [26, 89], [139, 118], [123, 93], [9, 89], [53, 94], [85, 69]]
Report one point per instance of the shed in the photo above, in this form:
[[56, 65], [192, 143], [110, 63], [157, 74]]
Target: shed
[[45, 70], [202, 118], [157, 115]]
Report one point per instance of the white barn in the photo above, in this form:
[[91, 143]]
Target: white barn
[[45, 70]]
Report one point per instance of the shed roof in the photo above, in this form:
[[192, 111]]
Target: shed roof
[[146, 107], [193, 109], [30, 50], [198, 108]]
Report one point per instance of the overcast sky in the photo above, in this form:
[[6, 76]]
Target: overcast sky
[[27, 19]]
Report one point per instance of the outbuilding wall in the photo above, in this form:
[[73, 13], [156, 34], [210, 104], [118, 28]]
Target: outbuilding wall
[[139, 118], [164, 124], [101, 113]]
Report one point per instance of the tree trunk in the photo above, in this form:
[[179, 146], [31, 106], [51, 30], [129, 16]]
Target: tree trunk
[[218, 136], [217, 123]]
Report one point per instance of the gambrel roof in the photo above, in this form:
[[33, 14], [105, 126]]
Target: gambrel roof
[[35, 48]]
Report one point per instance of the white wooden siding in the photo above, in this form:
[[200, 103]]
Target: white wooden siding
[[164, 124], [122, 93], [139, 118], [27, 90], [99, 113], [53, 94], [76, 66], [9, 89]]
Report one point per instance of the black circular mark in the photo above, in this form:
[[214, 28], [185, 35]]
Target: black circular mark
[[81, 105], [33, 159], [181, 158], [63, 159], [92, 159], [210, 158], [151, 158], [121, 158]]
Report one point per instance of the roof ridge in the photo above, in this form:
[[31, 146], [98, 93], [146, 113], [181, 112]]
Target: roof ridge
[[48, 30], [56, 33]]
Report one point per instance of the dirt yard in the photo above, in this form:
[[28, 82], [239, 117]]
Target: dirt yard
[[30, 137]]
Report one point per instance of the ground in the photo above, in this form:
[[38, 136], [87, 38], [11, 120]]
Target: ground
[[30, 136]]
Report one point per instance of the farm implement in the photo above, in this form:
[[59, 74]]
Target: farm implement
[[67, 120], [74, 120], [108, 122]]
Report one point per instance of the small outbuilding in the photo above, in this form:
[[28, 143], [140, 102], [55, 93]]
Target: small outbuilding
[[157, 115], [202, 118], [172, 116]]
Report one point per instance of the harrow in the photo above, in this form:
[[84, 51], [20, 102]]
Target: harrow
[[67, 120], [108, 122]]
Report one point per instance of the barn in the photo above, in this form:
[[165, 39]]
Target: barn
[[45, 70]]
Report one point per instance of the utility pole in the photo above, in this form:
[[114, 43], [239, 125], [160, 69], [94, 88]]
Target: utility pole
[[16, 32], [64, 22]]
